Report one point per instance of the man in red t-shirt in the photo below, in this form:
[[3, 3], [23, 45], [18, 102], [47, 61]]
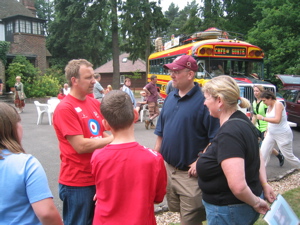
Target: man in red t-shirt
[[78, 124], [129, 177]]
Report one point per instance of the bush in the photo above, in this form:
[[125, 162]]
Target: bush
[[42, 86], [57, 73]]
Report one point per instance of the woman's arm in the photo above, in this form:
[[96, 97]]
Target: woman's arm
[[268, 190], [47, 213], [233, 169], [278, 113]]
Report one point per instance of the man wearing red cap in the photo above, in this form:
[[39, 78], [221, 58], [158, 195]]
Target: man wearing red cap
[[183, 130]]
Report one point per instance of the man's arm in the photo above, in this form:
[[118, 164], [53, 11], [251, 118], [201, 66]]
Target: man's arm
[[87, 145], [158, 144], [146, 90]]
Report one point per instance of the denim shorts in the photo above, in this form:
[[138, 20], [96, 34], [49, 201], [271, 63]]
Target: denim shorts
[[78, 204], [236, 214]]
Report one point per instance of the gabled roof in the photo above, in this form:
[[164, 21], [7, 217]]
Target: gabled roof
[[10, 8], [125, 67]]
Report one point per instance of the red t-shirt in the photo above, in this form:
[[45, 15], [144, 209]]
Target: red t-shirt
[[129, 179], [61, 96], [75, 117]]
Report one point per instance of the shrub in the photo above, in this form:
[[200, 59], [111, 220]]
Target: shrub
[[42, 86]]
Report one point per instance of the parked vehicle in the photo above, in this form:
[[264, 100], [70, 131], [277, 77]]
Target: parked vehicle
[[217, 52], [291, 94]]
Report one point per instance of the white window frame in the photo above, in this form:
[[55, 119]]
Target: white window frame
[[122, 79]]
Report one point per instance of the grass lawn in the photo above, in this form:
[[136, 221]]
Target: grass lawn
[[291, 196]]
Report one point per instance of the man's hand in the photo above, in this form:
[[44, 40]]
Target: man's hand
[[192, 171]]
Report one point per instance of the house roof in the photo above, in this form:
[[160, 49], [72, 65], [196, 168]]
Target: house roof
[[13, 7], [125, 66]]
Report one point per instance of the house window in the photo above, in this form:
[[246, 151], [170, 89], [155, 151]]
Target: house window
[[122, 79], [9, 27], [17, 26], [28, 27], [22, 26], [34, 27]]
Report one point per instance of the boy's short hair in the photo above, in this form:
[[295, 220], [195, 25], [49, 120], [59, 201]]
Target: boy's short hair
[[117, 109]]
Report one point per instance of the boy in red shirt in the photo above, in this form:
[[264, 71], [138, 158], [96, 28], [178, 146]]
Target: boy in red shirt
[[129, 177]]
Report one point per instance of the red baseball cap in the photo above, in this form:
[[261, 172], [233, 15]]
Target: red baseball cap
[[182, 62]]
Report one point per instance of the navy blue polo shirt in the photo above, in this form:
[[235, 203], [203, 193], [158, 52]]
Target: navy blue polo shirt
[[186, 127]]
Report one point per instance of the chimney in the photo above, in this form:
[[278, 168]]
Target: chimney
[[29, 4]]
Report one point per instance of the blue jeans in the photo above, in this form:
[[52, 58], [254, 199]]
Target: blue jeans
[[78, 204], [230, 214]]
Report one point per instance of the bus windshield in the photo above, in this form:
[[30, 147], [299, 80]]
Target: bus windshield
[[210, 68]]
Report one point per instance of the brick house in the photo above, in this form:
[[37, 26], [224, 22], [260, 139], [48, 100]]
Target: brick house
[[25, 32], [127, 67]]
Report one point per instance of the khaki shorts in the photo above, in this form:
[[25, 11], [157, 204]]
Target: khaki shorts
[[184, 196], [153, 109]]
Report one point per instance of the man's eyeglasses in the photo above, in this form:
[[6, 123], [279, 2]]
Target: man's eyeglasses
[[176, 72]]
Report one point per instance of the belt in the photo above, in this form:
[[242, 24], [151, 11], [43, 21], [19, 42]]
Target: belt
[[180, 169]]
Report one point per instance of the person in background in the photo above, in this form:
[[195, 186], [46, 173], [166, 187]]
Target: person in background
[[78, 125], [66, 89], [279, 132], [143, 101], [129, 177], [19, 95], [25, 195], [169, 87], [232, 175], [61, 94], [98, 89], [126, 88], [183, 130], [108, 89], [260, 108], [1, 87], [152, 97]]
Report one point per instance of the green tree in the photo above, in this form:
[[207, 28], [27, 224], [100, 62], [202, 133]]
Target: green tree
[[20, 66], [115, 43], [238, 15], [142, 21], [212, 14], [80, 30], [45, 10], [277, 33], [193, 22]]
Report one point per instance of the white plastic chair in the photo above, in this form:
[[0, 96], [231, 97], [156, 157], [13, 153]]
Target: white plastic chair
[[53, 102], [41, 110], [144, 113]]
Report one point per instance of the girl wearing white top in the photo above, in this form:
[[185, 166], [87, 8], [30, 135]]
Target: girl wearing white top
[[278, 132]]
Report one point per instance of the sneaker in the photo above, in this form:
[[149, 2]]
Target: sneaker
[[147, 122], [280, 158], [152, 126]]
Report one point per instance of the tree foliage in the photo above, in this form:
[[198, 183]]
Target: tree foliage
[[142, 21], [277, 33], [94, 30]]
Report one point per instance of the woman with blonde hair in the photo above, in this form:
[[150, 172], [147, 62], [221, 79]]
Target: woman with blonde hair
[[108, 89], [25, 194], [19, 95], [231, 173]]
